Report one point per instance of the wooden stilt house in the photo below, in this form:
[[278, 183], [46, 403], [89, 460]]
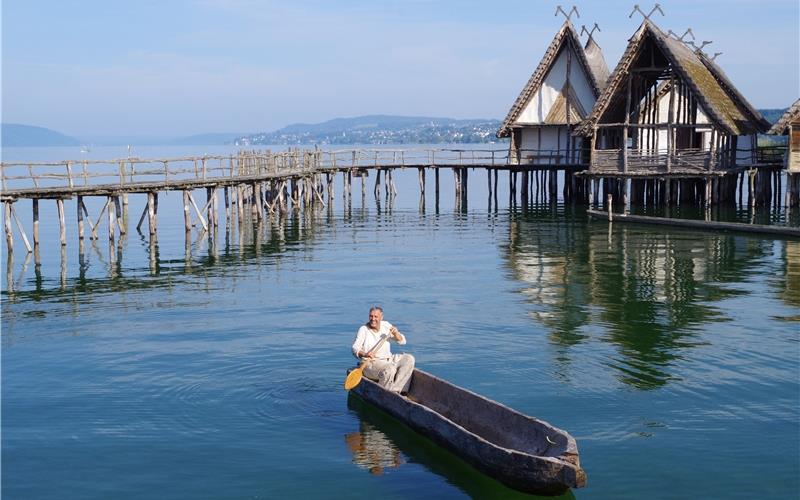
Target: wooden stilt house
[[669, 110], [558, 96], [789, 125]]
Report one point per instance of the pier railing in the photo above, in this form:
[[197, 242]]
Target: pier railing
[[130, 171]]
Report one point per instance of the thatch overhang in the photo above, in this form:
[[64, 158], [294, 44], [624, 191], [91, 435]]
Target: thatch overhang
[[718, 98], [597, 63], [792, 115], [566, 36]]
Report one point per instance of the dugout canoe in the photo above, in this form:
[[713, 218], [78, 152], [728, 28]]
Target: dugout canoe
[[522, 452]]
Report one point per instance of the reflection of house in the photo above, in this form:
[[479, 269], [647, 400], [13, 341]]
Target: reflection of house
[[559, 94], [791, 292], [789, 125], [648, 293], [669, 109]]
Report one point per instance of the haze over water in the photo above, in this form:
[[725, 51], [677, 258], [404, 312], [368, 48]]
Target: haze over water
[[671, 355]]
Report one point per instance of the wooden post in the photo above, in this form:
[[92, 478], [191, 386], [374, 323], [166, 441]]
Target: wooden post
[[627, 122], [111, 222], [210, 208], [670, 121], [79, 217], [240, 203], [464, 185], [120, 220], [227, 207], [9, 231], [151, 212], [187, 217], [61, 224], [36, 220], [436, 179], [609, 200]]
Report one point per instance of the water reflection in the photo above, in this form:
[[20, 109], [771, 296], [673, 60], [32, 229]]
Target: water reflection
[[97, 271], [650, 291], [372, 450], [791, 287], [383, 443]]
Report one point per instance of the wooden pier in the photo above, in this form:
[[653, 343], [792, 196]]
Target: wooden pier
[[261, 184]]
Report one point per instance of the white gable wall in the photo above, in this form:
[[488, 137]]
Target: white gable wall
[[540, 103], [547, 145]]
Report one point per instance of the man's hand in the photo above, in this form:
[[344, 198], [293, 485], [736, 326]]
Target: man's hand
[[395, 333]]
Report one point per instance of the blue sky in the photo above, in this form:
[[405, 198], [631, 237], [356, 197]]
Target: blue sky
[[180, 67]]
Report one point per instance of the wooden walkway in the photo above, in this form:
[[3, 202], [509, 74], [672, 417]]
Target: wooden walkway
[[259, 183]]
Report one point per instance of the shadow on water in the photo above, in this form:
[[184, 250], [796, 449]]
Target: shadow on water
[[216, 253], [382, 443], [652, 291]]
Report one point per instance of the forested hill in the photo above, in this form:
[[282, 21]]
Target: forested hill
[[16, 135], [380, 129]]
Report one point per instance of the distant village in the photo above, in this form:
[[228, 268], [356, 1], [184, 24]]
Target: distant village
[[361, 131]]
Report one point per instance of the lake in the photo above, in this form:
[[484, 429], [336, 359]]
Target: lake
[[215, 370]]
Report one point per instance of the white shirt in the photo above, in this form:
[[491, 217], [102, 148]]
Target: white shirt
[[367, 338]]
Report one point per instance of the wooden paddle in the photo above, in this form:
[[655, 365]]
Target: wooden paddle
[[354, 377]]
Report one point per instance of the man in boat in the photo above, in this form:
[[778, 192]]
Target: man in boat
[[391, 371]]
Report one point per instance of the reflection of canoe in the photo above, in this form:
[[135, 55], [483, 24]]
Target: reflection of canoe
[[523, 452]]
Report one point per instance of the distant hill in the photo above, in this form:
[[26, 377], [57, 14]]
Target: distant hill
[[207, 139], [772, 115], [380, 129], [16, 135]]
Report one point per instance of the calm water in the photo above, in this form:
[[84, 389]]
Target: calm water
[[216, 371]]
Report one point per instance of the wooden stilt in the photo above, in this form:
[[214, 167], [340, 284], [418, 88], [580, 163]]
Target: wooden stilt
[[239, 201], [62, 233], [227, 206], [187, 218], [21, 230], [151, 212], [9, 232], [111, 231], [436, 182], [120, 220], [36, 220]]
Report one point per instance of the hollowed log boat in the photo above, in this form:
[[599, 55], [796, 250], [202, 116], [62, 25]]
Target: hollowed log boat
[[522, 452]]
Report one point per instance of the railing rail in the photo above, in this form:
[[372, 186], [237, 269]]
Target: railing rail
[[132, 170]]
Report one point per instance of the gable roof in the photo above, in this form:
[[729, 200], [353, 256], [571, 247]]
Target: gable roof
[[566, 35], [597, 63], [791, 115], [720, 100]]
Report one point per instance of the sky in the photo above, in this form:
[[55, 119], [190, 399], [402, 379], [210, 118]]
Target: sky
[[183, 67]]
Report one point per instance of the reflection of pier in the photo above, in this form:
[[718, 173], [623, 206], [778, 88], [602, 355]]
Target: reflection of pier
[[205, 255], [650, 291]]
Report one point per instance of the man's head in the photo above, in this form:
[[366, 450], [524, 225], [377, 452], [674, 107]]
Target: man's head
[[375, 317]]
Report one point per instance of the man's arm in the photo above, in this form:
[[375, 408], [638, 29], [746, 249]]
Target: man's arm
[[358, 344], [396, 335]]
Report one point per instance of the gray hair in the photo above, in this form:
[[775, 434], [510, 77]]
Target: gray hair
[[376, 308]]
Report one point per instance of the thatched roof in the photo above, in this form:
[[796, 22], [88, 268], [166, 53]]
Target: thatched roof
[[717, 96], [597, 63], [791, 115], [566, 35]]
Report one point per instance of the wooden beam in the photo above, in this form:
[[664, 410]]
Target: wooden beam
[[61, 224], [21, 231]]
